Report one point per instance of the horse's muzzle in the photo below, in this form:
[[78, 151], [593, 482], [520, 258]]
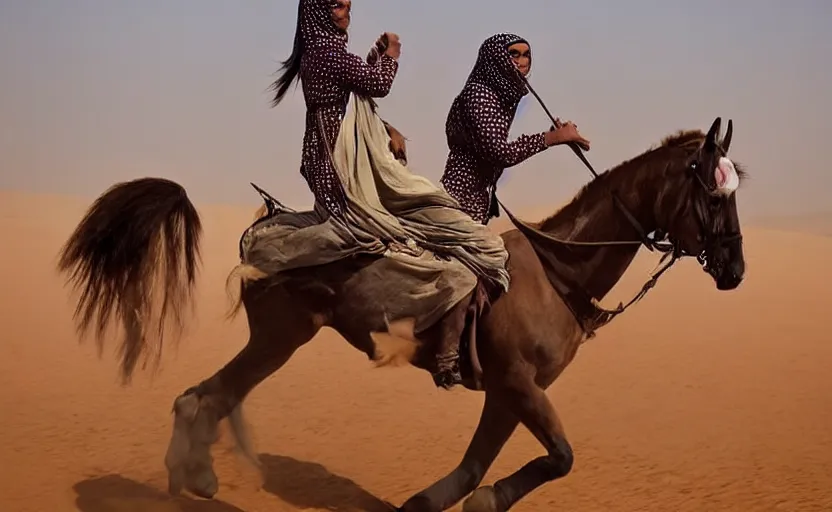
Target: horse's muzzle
[[728, 280]]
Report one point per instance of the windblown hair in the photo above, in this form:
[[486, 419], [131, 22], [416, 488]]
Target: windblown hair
[[139, 239], [291, 66]]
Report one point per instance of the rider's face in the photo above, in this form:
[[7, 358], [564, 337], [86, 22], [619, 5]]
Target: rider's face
[[341, 14], [521, 55]]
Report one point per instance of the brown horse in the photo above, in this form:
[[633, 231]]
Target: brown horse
[[140, 240]]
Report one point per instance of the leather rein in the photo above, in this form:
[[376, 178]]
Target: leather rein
[[660, 242]]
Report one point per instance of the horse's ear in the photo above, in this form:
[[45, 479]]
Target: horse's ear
[[726, 141], [710, 139]]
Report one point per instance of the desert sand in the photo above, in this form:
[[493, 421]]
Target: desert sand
[[695, 400]]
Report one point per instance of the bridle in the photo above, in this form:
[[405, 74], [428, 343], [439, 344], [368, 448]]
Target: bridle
[[712, 238], [660, 241]]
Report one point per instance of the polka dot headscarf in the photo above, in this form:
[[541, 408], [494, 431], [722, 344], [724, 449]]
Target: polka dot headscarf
[[495, 69], [316, 25]]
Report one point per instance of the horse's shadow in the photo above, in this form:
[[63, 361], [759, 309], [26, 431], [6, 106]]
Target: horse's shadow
[[307, 485], [303, 485], [115, 493]]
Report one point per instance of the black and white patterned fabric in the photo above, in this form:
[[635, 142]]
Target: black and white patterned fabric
[[328, 74], [477, 129]]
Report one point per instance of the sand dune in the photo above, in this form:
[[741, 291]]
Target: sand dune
[[694, 400]]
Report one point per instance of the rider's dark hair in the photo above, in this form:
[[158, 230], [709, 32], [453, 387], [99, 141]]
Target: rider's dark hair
[[290, 66]]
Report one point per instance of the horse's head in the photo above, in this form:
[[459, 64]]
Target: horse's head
[[698, 208]]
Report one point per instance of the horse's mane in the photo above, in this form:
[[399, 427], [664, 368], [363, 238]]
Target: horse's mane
[[598, 188]]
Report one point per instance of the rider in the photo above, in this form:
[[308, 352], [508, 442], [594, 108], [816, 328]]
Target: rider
[[328, 74], [478, 124], [477, 130]]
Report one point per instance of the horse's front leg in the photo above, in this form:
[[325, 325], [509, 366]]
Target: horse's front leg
[[494, 429], [536, 412]]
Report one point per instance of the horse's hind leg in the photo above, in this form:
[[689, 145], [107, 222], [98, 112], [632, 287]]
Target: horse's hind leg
[[495, 427], [537, 413], [277, 331]]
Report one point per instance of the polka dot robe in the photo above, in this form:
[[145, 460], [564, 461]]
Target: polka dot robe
[[477, 129], [328, 74]]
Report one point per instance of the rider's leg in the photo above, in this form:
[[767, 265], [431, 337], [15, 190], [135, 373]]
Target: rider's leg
[[449, 336]]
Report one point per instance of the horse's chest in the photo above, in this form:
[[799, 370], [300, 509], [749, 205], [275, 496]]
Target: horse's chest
[[552, 354]]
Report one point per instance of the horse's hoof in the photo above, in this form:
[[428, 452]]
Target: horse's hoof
[[483, 499], [206, 492], [203, 483]]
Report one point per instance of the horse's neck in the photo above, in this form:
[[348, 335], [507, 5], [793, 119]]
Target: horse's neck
[[593, 217]]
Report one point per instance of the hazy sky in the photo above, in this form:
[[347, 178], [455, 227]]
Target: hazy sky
[[98, 91]]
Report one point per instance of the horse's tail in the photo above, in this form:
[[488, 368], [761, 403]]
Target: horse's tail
[[134, 256]]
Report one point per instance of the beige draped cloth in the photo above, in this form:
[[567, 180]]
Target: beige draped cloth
[[432, 252]]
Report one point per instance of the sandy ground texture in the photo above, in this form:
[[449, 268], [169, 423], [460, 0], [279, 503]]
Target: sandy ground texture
[[695, 400]]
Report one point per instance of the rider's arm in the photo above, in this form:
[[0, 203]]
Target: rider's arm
[[355, 75], [489, 129]]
